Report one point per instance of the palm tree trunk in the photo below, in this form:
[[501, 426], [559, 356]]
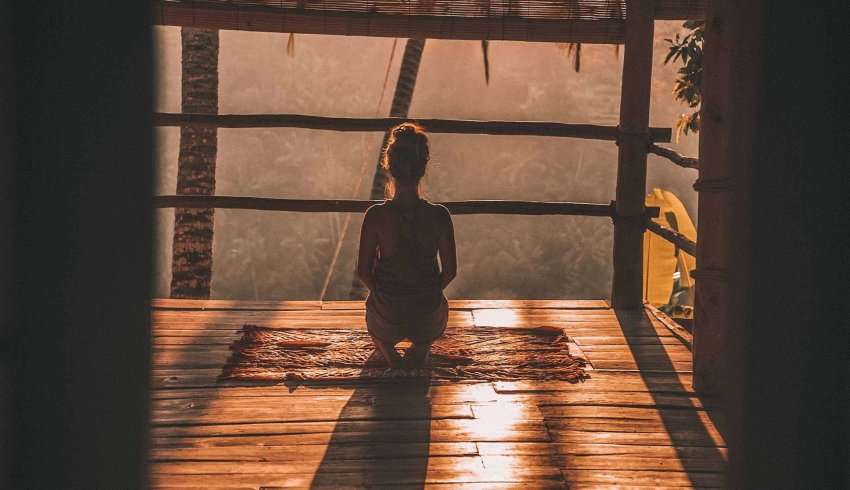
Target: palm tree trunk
[[191, 264], [399, 108]]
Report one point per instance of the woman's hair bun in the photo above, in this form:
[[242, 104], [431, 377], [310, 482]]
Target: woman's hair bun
[[405, 132], [407, 153]]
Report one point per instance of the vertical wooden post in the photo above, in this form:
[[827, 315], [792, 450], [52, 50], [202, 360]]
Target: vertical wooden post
[[771, 335], [725, 142], [631, 159]]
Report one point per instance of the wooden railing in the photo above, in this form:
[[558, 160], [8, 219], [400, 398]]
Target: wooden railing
[[629, 214], [355, 206], [674, 156], [669, 234], [672, 236], [456, 126]]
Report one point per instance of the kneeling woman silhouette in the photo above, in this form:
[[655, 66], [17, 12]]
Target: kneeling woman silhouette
[[399, 244]]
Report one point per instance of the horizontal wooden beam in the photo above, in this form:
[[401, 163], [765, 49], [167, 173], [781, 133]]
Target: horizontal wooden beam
[[680, 9], [530, 26], [528, 128], [673, 236], [674, 156], [355, 206], [314, 20]]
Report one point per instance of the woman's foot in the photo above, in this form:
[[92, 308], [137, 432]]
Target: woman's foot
[[417, 356], [388, 352]]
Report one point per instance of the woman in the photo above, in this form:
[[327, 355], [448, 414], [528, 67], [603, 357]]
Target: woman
[[399, 244]]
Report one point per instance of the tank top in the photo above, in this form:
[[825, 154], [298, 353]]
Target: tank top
[[408, 283]]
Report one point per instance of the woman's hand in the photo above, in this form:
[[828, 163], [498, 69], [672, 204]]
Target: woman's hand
[[446, 248]]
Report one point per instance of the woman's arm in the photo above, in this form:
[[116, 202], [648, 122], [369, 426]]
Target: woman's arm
[[368, 250], [446, 248]]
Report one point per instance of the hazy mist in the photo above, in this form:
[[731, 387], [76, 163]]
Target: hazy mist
[[273, 255]]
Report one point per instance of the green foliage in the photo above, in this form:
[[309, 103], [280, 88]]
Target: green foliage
[[688, 85]]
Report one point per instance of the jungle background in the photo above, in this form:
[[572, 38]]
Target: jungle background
[[272, 255]]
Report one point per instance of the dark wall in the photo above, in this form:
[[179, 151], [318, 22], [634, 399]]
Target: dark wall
[[77, 85], [788, 341], [6, 198]]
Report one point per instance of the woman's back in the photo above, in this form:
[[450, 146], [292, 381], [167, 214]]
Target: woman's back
[[408, 236]]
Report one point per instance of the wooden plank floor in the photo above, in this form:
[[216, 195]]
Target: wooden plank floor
[[636, 423]]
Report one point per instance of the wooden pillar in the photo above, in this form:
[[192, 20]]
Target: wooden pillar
[[79, 78], [724, 154], [631, 159], [773, 220]]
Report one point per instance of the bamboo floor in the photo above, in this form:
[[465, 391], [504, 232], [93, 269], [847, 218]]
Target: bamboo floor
[[636, 423]]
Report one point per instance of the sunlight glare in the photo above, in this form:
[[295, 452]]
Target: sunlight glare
[[501, 317]]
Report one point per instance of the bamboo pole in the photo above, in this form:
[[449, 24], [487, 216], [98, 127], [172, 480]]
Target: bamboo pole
[[527, 128], [360, 206], [631, 159], [674, 156], [673, 236]]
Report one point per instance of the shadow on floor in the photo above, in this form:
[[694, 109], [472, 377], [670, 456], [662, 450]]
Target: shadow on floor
[[683, 425], [382, 437]]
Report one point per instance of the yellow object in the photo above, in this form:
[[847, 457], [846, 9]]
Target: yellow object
[[659, 256]]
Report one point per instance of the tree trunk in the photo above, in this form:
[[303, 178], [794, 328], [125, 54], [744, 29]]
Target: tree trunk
[[191, 265], [399, 108]]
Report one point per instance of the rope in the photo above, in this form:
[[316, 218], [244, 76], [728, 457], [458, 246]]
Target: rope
[[326, 283]]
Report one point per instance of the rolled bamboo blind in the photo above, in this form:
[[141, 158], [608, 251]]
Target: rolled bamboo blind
[[587, 21]]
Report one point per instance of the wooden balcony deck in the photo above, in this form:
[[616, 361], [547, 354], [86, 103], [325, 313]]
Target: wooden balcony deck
[[636, 422]]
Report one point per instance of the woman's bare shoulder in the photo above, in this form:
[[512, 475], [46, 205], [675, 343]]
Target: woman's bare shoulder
[[438, 208], [438, 212], [375, 213]]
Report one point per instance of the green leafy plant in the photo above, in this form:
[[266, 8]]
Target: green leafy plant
[[688, 85]]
